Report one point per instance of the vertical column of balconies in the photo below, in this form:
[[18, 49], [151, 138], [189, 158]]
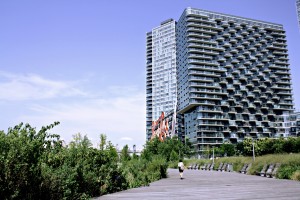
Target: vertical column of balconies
[[204, 92], [149, 85]]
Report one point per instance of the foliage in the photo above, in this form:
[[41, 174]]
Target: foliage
[[262, 146], [125, 154], [170, 149], [36, 165], [22, 151], [174, 156], [296, 175], [289, 169], [226, 149]]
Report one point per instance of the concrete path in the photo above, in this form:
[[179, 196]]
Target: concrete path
[[206, 185]]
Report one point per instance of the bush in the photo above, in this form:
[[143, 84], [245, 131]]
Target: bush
[[296, 175], [286, 172], [35, 165]]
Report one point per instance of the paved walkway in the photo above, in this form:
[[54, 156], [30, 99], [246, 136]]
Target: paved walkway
[[198, 184]]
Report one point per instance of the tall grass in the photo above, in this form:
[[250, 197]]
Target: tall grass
[[289, 169]]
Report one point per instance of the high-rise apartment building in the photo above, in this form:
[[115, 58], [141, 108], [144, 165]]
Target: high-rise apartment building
[[233, 78], [161, 72]]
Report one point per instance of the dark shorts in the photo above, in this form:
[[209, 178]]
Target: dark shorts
[[180, 170]]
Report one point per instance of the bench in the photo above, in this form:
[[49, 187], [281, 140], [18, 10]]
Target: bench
[[243, 170], [211, 167], [246, 168], [191, 166], [270, 170], [208, 166], [224, 167], [220, 167], [203, 167], [263, 171], [196, 166], [273, 175], [229, 167]]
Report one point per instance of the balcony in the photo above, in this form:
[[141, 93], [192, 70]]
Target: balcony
[[240, 130], [232, 123], [212, 135], [203, 62]]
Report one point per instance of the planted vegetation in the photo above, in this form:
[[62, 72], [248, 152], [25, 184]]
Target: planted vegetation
[[37, 165], [285, 151]]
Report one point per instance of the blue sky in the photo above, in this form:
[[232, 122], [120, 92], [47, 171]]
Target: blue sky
[[83, 62]]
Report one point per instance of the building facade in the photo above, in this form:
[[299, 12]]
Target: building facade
[[149, 85], [233, 78], [161, 82], [294, 124]]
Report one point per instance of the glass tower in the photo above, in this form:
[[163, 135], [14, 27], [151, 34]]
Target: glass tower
[[161, 72]]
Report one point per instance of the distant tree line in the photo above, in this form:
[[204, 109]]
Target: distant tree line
[[37, 165], [262, 146]]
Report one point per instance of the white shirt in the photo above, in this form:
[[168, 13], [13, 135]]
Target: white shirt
[[180, 164]]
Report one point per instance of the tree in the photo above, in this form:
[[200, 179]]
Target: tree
[[125, 154], [23, 150], [174, 156], [227, 149], [102, 141]]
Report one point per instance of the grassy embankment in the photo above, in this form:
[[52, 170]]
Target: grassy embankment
[[289, 169]]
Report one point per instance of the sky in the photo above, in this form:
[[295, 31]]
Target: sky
[[83, 63]]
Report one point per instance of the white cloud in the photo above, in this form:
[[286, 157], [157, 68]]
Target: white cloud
[[19, 87], [119, 113], [121, 118], [126, 139]]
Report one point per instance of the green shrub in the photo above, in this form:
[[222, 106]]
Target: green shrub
[[296, 175], [286, 172], [35, 165]]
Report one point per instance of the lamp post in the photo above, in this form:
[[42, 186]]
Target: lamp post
[[253, 151], [213, 155]]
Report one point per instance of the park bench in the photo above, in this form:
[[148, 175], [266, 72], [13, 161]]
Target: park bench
[[263, 171], [191, 166], [224, 167], [203, 167], [270, 170], [220, 167], [208, 166], [248, 167], [211, 167], [245, 168], [196, 166], [275, 170], [229, 167]]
